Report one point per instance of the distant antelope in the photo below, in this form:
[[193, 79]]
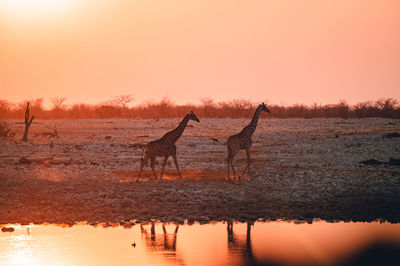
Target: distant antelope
[[165, 147], [243, 141]]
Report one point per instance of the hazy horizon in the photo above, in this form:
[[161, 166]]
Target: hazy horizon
[[48, 105]]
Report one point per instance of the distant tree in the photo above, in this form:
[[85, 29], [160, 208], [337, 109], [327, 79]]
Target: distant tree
[[123, 100], [20, 109], [277, 111], [5, 108], [364, 109], [82, 110], [386, 106], [58, 103], [343, 109], [166, 102], [241, 107], [165, 108], [37, 106], [107, 111], [316, 110], [208, 107], [297, 110]]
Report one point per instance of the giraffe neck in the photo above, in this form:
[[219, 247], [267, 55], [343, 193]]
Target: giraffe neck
[[253, 124], [178, 131]]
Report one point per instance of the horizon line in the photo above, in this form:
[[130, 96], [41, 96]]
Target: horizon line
[[111, 102]]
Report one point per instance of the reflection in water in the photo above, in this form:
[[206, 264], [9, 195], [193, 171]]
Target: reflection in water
[[271, 243], [22, 250], [240, 246], [166, 245]]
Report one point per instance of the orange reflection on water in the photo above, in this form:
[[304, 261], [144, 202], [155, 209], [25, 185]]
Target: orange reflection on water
[[20, 252], [211, 244], [320, 242]]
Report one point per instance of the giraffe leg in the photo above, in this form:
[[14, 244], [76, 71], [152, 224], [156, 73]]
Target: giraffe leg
[[143, 163], [153, 160], [248, 164], [227, 161], [231, 155], [230, 163], [233, 170], [163, 166], [177, 166]]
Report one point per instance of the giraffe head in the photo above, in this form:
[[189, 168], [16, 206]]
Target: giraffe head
[[192, 116], [264, 108]]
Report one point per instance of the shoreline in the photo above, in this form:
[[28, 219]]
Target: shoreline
[[95, 201]]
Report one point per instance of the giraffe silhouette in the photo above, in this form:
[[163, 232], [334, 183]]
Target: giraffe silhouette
[[165, 147], [243, 141]]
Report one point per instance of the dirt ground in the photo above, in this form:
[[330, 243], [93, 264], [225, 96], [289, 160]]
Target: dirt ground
[[302, 169]]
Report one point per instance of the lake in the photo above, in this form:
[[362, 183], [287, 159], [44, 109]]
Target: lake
[[216, 243]]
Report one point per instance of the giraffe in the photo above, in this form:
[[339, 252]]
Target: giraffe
[[165, 147], [242, 141]]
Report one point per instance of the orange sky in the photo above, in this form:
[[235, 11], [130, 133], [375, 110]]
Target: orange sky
[[277, 51]]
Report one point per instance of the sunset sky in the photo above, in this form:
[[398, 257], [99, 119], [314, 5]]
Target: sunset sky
[[283, 52]]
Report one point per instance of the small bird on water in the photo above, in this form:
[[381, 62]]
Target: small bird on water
[[134, 244]]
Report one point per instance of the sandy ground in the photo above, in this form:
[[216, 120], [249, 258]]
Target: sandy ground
[[302, 169]]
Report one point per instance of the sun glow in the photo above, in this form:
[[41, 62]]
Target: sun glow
[[34, 8]]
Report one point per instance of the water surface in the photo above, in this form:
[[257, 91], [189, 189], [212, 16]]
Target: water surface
[[219, 243]]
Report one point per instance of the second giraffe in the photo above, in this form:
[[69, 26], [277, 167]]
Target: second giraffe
[[165, 147], [243, 141]]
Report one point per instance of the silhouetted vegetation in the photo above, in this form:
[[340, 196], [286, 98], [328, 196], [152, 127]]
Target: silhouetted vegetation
[[166, 108]]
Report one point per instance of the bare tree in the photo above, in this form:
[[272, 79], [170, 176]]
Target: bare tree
[[27, 123], [123, 100], [387, 104], [241, 107], [37, 106], [57, 102], [208, 106]]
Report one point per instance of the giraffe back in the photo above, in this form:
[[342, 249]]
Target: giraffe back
[[241, 140], [161, 148]]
